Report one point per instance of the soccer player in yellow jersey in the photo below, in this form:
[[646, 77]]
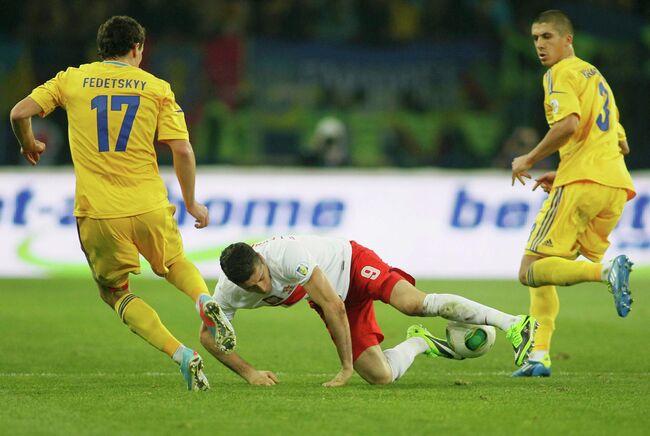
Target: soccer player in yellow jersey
[[587, 192], [114, 109]]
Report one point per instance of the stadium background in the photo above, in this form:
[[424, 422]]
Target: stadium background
[[392, 122]]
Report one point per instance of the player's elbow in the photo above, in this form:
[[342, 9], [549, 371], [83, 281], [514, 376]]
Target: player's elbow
[[336, 308], [17, 113], [570, 126]]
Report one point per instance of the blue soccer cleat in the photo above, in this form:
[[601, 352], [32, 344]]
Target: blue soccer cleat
[[192, 371], [535, 368], [618, 283]]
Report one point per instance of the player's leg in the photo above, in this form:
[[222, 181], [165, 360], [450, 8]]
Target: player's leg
[[520, 329], [114, 237], [544, 306], [575, 219], [160, 243], [594, 242]]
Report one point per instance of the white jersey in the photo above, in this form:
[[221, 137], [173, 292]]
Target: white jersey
[[291, 261]]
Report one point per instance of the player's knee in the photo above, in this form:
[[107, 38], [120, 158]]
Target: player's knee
[[523, 277]]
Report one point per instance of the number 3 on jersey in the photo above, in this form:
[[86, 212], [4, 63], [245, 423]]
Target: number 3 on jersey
[[100, 103], [603, 122]]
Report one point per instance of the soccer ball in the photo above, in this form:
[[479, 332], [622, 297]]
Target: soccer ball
[[470, 340]]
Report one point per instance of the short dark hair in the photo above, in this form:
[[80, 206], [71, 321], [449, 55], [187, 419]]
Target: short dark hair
[[558, 19], [238, 261], [117, 36]]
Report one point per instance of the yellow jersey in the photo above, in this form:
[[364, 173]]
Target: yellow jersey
[[573, 86], [114, 110]]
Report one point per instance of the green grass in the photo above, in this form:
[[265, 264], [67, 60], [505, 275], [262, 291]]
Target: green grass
[[68, 366]]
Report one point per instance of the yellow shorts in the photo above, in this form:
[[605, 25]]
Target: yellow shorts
[[577, 219], [112, 246]]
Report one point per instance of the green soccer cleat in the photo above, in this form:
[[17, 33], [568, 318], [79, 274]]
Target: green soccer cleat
[[192, 371], [522, 336], [437, 347]]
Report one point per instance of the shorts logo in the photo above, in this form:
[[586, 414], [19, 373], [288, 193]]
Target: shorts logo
[[548, 243], [302, 269], [370, 272]]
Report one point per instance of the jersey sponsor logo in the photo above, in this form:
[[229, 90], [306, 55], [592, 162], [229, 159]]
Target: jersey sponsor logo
[[370, 272], [302, 269]]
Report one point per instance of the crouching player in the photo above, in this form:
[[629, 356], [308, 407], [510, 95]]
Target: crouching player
[[341, 279]]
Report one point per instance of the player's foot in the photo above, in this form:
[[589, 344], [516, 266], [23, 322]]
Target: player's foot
[[522, 336], [192, 370], [532, 368], [618, 283], [218, 324], [437, 347]]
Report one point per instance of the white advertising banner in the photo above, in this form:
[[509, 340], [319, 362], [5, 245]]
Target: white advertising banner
[[433, 224]]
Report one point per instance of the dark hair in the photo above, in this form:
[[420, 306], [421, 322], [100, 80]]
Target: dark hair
[[238, 261], [117, 36], [558, 19]]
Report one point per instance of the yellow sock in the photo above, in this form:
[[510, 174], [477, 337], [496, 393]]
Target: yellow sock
[[562, 272], [544, 306], [186, 277], [145, 322]]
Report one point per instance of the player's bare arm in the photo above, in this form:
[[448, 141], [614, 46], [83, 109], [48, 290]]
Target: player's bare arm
[[21, 123], [321, 292], [185, 166], [555, 138], [236, 363]]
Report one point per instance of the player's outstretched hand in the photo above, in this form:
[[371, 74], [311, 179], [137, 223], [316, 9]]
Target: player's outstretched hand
[[33, 156], [340, 379], [200, 214], [546, 181], [520, 167], [263, 378]]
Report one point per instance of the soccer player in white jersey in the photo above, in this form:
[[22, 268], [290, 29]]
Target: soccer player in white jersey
[[341, 279]]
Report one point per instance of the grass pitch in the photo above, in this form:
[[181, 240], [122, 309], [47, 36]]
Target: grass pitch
[[70, 367]]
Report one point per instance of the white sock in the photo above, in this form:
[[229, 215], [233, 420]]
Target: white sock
[[401, 357], [178, 354], [461, 309], [604, 274]]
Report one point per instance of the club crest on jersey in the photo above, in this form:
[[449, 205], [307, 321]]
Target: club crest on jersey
[[288, 289], [302, 269]]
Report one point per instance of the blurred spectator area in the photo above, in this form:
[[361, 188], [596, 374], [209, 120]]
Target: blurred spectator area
[[412, 82]]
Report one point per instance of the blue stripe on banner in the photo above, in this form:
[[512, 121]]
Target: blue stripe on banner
[[550, 217]]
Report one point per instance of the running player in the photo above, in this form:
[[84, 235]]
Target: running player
[[114, 108], [341, 280], [587, 192]]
